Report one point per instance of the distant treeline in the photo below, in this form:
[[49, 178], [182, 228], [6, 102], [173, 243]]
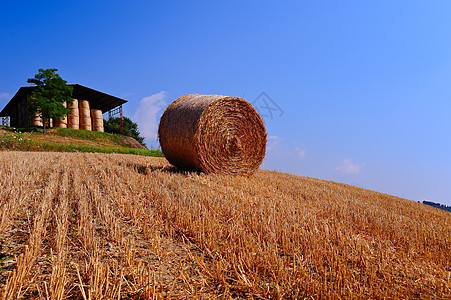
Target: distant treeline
[[438, 205]]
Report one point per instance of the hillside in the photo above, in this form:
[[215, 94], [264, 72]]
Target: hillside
[[76, 225], [70, 140]]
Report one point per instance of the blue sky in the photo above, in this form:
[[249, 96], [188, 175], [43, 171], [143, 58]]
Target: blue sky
[[362, 88]]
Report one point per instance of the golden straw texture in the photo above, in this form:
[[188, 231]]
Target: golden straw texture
[[96, 114], [73, 105], [213, 134]]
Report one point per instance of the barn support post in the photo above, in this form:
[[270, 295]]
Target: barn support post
[[122, 120]]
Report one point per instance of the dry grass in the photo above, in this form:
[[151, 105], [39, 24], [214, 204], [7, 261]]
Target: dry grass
[[105, 226]]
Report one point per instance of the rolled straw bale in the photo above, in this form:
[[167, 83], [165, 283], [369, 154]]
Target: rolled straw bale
[[73, 120], [86, 127], [85, 113], [73, 126], [96, 114], [62, 119], [83, 104], [99, 129], [74, 112], [61, 122], [73, 105], [61, 125], [213, 134], [36, 121], [85, 121], [97, 123]]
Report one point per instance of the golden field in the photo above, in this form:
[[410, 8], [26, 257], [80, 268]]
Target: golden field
[[110, 226]]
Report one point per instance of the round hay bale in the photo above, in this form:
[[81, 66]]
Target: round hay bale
[[74, 112], [62, 119], [73, 126], [61, 122], [83, 104], [213, 134], [85, 113], [73, 105], [73, 120], [61, 125], [100, 129], [97, 123], [36, 121], [96, 114], [85, 121], [86, 127]]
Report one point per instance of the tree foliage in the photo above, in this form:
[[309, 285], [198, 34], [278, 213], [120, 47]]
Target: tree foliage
[[113, 125], [438, 205], [47, 99]]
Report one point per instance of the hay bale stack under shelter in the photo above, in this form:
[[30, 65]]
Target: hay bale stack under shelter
[[36, 121], [213, 134], [73, 106], [73, 118], [61, 122], [97, 120], [85, 115], [73, 122], [83, 104]]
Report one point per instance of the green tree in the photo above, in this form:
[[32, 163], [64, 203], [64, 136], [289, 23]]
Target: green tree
[[47, 99], [113, 125]]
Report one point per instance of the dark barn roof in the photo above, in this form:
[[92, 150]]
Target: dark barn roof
[[97, 100]]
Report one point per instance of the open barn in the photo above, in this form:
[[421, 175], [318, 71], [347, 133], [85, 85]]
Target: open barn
[[86, 110]]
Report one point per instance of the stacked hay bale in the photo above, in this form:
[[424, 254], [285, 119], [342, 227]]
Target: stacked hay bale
[[61, 122], [36, 121], [97, 120], [73, 120], [213, 134], [85, 115]]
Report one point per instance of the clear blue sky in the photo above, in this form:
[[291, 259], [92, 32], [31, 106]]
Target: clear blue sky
[[363, 87]]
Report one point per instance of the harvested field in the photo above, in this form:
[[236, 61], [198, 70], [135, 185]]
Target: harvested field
[[79, 226]]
